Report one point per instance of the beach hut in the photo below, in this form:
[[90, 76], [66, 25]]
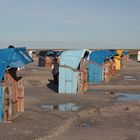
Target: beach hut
[[73, 71], [45, 58], [117, 59], [120, 58], [124, 58], [11, 86], [112, 64], [98, 67]]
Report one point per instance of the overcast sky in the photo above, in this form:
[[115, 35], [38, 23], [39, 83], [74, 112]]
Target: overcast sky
[[70, 23]]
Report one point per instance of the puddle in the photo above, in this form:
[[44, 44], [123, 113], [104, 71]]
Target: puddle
[[62, 107], [34, 70], [129, 78], [101, 92], [128, 97], [85, 125], [95, 91]]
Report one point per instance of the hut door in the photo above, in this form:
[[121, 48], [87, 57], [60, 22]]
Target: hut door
[[70, 81], [67, 81]]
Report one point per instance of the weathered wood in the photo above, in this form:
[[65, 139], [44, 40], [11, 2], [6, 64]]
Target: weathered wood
[[13, 98], [85, 80], [80, 83], [10, 108], [48, 61]]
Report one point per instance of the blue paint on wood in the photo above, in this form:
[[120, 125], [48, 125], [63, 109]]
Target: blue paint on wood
[[94, 73], [68, 74], [68, 81], [96, 60]]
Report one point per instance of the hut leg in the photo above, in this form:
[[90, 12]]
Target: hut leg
[[10, 110], [7, 104]]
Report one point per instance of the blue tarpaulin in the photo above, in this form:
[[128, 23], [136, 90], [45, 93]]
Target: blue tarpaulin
[[13, 57], [72, 58], [100, 56], [125, 53], [95, 70], [114, 52]]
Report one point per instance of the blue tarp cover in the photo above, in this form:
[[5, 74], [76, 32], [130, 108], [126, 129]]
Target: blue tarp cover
[[72, 58], [13, 57], [114, 52], [125, 52], [100, 56]]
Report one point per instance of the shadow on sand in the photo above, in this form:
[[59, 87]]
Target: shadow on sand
[[52, 85]]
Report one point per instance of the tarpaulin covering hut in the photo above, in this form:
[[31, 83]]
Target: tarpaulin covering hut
[[10, 58], [72, 72], [97, 65], [124, 58], [120, 58], [117, 59]]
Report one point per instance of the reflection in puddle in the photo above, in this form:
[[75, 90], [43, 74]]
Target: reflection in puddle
[[128, 97], [95, 91], [129, 78], [85, 125], [62, 107], [34, 70], [100, 91]]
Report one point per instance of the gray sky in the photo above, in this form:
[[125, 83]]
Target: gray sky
[[70, 23]]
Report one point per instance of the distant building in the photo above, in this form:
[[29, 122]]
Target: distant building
[[138, 56]]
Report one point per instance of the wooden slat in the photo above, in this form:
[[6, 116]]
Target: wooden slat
[[13, 98], [85, 80], [48, 62]]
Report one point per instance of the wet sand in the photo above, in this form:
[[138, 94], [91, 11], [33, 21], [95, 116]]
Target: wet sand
[[101, 116]]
